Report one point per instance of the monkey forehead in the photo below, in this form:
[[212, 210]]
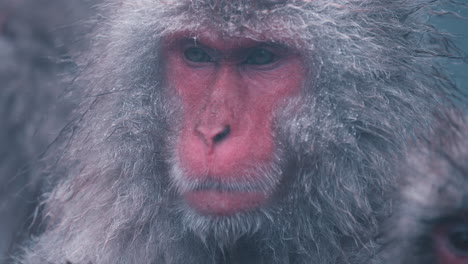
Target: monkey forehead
[[261, 21], [437, 173], [222, 42]]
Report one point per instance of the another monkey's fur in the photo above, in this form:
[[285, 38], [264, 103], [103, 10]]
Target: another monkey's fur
[[371, 84], [433, 194], [35, 36]]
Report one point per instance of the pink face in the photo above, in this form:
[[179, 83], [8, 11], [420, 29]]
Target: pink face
[[229, 88]]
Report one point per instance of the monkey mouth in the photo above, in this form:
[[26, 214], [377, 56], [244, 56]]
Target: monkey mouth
[[215, 195], [224, 203]]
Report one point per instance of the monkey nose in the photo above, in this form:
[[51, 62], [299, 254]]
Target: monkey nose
[[213, 135]]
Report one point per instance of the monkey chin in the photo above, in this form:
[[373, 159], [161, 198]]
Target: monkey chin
[[224, 203], [221, 189]]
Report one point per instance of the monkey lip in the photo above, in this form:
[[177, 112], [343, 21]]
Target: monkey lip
[[224, 203]]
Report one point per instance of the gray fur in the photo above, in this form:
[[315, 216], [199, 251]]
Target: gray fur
[[434, 188], [372, 83], [35, 36]]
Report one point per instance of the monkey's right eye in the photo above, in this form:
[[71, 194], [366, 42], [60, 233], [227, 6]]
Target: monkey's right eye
[[198, 55], [458, 238], [451, 242]]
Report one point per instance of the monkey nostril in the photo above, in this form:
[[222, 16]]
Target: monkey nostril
[[213, 135], [222, 135]]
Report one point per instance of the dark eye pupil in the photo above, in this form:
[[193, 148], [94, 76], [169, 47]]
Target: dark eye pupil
[[260, 57], [459, 239], [197, 55]]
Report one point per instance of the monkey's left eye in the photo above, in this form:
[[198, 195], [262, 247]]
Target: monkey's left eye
[[260, 56], [195, 54]]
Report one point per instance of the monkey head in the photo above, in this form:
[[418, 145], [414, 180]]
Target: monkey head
[[431, 221]]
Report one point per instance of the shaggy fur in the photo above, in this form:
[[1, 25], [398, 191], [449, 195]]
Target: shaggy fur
[[434, 191], [371, 84], [32, 54]]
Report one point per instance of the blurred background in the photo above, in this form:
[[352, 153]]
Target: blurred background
[[449, 21]]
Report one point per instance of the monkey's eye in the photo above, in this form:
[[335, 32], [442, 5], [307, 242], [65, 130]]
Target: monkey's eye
[[195, 54], [457, 237], [451, 242], [260, 56]]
